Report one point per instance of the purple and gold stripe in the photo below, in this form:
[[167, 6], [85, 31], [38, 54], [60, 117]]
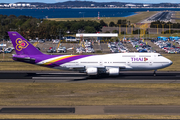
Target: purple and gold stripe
[[64, 59]]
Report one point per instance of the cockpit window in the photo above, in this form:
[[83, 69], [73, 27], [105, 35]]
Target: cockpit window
[[159, 55]]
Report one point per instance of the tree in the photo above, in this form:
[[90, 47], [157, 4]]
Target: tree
[[112, 24], [103, 23], [119, 22], [123, 22], [89, 29], [115, 31], [30, 27], [12, 17]]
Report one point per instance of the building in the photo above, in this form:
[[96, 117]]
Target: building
[[174, 38], [162, 38], [130, 5]]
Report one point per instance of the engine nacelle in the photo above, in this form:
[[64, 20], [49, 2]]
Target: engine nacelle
[[92, 71], [113, 71]]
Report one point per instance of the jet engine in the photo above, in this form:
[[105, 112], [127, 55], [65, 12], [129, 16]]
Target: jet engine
[[92, 71], [113, 71]]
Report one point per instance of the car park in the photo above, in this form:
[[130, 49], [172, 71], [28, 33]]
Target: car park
[[167, 46], [141, 46], [116, 47]]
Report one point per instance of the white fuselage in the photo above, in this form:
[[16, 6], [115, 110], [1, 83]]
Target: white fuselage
[[123, 61]]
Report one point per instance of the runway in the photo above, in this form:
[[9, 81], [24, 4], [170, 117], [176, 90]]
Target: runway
[[61, 77]]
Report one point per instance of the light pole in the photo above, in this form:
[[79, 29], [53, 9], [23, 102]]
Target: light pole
[[157, 27], [126, 28], [119, 29], [138, 33], [3, 47], [169, 28], [162, 28], [132, 29], [149, 34]]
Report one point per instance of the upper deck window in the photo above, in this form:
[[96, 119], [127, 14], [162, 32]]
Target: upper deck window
[[144, 55], [128, 56]]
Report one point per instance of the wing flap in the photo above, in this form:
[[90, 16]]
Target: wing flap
[[121, 67]]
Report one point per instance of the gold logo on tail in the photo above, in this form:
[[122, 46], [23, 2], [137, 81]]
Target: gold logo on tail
[[21, 44]]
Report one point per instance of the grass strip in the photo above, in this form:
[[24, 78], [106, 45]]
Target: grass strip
[[74, 94]]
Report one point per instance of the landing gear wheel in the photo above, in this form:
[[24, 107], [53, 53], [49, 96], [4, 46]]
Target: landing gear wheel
[[154, 72]]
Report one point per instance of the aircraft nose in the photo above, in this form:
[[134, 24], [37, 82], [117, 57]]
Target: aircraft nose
[[170, 62]]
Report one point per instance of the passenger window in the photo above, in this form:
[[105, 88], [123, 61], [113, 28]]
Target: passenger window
[[159, 55]]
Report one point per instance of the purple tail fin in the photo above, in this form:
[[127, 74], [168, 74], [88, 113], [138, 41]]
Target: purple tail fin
[[21, 45]]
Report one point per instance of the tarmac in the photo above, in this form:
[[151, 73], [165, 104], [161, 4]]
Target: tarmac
[[70, 77]]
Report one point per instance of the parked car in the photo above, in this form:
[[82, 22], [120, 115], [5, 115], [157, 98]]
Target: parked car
[[115, 50], [1, 50], [80, 50], [56, 41], [38, 48], [8, 50], [142, 50], [172, 51], [41, 41], [89, 50], [33, 41], [52, 50], [61, 49]]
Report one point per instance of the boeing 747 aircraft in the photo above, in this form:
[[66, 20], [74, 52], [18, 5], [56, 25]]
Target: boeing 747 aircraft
[[90, 64]]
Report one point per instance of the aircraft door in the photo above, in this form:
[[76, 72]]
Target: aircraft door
[[101, 62], [128, 61]]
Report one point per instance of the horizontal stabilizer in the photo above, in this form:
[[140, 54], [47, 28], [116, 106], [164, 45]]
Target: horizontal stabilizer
[[25, 59]]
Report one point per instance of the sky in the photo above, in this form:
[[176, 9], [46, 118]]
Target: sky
[[132, 1]]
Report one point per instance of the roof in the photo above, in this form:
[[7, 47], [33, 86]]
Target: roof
[[97, 35]]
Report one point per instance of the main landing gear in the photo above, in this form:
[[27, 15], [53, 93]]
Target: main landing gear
[[154, 72]]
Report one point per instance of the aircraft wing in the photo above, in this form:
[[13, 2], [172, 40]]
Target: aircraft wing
[[75, 67], [99, 67]]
